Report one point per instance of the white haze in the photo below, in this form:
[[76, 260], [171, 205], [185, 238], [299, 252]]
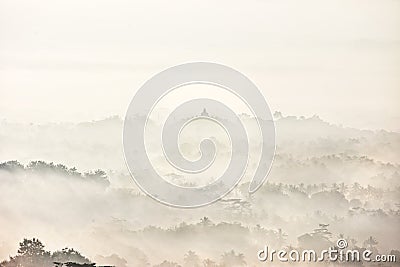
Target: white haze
[[356, 177]]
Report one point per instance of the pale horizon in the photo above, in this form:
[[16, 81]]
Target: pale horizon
[[69, 61]]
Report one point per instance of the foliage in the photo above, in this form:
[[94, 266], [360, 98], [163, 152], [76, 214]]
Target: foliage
[[32, 253], [42, 167]]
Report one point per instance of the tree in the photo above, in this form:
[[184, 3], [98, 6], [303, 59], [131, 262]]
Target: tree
[[99, 176], [233, 259], [205, 221], [31, 247], [191, 259], [69, 255], [11, 166], [31, 253]]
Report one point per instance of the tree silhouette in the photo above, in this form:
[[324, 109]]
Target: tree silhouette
[[69, 255], [191, 259], [31, 253], [99, 176], [11, 166], [205, 221], [233, 259], [31, 247]]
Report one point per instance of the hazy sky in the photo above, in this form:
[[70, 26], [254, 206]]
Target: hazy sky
[[84, 60]]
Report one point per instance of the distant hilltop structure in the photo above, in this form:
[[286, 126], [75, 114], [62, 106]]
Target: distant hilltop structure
[[204, 113]]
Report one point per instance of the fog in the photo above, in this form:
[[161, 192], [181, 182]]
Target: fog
[[68, 61], [322, 174]]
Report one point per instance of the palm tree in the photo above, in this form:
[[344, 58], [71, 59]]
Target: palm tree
[[301, 187], [233, 259], [205, 221], [191, 259], [343, 188]]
